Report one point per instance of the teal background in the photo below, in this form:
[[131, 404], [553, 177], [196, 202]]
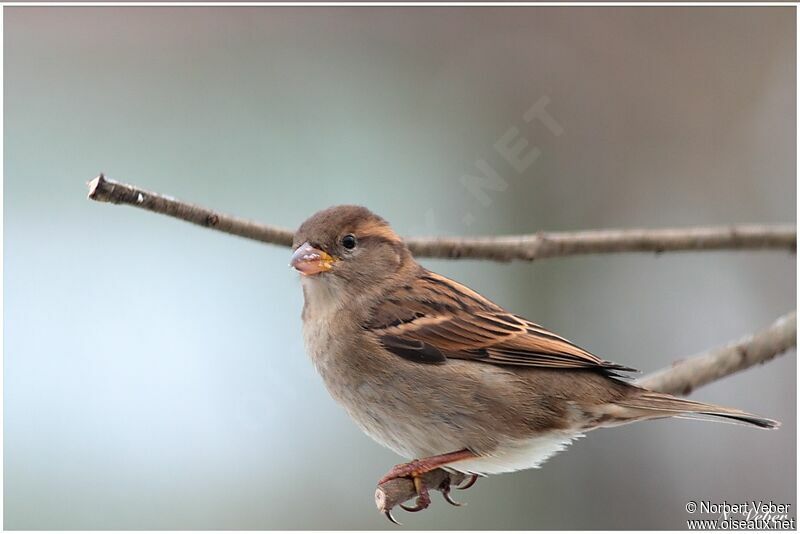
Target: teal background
[[154, 371]]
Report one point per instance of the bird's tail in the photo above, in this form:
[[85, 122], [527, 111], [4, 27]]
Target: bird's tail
[[644, 404]]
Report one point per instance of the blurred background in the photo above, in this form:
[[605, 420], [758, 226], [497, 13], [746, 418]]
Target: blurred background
[[155, 376]]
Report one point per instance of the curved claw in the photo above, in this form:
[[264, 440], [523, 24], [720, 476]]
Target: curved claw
[[417, 508], [449, 499], [388, 514], [469, 484]]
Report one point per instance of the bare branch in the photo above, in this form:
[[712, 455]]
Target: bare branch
[[102, 189], [559, 244], [684, 376], [681, 378], [505, 248]]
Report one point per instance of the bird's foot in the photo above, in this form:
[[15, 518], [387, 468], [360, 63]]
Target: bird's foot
[[423, 496], [412, 469], [422, 490], [445, 488], [417, 471], [415, 468]]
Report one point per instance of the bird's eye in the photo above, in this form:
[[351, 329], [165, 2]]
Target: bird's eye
[[349, 241]]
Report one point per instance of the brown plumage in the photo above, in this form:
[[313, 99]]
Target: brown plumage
[[435, 318], [427, 366]]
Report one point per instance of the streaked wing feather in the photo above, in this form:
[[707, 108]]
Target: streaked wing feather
[[437, 318]]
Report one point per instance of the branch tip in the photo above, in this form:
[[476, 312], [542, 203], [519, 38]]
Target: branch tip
[[96, 185]]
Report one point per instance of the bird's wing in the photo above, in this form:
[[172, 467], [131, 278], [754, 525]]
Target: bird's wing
[[435, 318]]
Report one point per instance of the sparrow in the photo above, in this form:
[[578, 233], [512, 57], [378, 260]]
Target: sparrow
[[443, 376]]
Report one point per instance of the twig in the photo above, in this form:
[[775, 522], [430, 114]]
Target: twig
[[559, 244], [505, 248], [680, 378], [102, 189]]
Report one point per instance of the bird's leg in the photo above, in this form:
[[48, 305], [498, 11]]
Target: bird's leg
[[416, 468]]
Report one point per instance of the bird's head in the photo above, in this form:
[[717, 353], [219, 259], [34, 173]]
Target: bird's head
[[348, 246]]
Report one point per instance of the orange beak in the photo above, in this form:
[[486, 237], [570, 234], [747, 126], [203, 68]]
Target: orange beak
[[309, 260]]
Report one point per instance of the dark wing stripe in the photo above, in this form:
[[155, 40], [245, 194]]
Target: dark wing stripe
[[539, 354], [539, 359], [414, 350]]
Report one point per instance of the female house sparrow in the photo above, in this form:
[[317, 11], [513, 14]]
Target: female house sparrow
[[434, 371]]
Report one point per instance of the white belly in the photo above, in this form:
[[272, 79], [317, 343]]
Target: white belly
[[517, 455]]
